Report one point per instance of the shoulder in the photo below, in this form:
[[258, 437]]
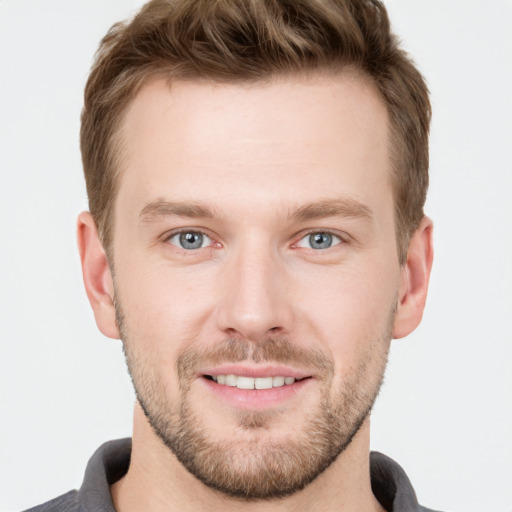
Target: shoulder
[[391, 485], [66, 503], [108, 463]]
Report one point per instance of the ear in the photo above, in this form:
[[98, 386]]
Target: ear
[[414, 279], [97, 276]]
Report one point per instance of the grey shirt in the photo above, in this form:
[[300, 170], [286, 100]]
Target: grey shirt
[[111, 460]]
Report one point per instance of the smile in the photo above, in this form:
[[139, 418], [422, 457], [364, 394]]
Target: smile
[[243, 382]]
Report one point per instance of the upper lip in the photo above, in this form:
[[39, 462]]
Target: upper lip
[[255, 371]]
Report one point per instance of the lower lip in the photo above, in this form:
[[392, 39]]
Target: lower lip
[[255, 398]]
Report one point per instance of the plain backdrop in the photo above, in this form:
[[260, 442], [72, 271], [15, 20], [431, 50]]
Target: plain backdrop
[[445, 410]]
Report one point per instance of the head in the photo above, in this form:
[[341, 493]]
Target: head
[[256, 174], [251, 42]]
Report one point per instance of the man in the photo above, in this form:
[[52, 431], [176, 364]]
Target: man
[[256, 174]]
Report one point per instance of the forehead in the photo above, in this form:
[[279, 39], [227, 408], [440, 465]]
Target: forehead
[[285, 140]]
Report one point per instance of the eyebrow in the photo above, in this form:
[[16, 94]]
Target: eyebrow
[[349, 208], [163, 208]]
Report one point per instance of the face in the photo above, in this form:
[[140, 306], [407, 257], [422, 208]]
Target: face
[[256, 273]]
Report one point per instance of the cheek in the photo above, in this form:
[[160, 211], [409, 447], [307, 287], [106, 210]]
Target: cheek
[[349, 313], [162, 307], [162, 317]]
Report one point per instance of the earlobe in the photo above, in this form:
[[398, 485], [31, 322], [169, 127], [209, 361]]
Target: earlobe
[[97, 275], [414, 280]]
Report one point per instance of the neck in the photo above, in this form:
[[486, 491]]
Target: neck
[[157, 481]]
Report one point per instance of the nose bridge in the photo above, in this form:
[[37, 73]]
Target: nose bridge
[[255, 299]]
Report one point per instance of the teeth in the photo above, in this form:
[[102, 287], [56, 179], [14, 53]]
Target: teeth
[[231, 380], [278, 381], [263, 383], [242, 382]]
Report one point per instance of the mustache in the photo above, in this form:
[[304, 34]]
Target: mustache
[[271, 350]]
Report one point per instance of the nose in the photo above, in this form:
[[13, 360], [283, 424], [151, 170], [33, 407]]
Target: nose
[[256, 301]]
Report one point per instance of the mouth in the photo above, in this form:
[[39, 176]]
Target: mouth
[[253, 387], [245, 382]]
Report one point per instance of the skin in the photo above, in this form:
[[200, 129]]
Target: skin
[[252, 157]]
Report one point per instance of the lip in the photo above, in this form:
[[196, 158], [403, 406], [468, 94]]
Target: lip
[[255, 399]]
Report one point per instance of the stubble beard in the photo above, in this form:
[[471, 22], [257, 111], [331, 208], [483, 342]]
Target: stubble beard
[[258, 467]]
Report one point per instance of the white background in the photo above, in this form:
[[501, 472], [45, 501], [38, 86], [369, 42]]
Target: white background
[[445, 409]]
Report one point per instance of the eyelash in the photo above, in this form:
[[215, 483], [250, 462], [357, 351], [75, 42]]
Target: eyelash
[[174, 234], [341, 240], [337, 239]]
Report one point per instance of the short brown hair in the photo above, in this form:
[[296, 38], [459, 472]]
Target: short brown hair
[[251, 40]]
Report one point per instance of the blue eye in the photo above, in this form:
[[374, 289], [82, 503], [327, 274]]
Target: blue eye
[[319, 240], [190, 240]]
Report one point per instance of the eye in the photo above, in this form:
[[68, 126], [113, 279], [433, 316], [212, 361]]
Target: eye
[[319, 240], [190, 240]]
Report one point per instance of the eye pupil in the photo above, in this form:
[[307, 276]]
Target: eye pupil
[[191, 240], [320, 240]]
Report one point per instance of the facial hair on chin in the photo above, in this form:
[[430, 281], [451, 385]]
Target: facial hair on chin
[[259, 469]]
